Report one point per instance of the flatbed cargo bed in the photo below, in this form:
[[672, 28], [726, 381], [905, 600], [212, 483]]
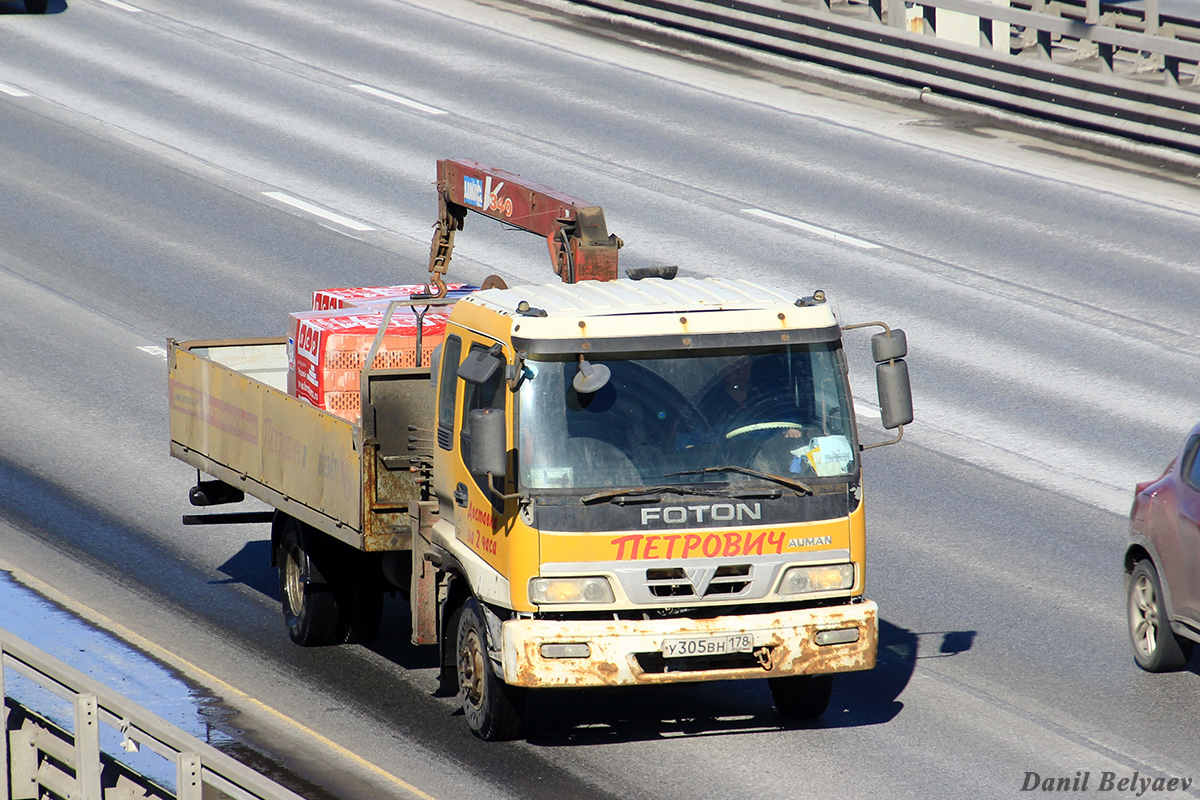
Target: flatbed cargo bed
[[232, 418]]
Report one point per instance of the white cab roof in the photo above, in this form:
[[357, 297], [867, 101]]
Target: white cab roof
[[684, 307]]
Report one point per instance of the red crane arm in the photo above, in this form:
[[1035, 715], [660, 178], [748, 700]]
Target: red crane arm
[[581, 247]]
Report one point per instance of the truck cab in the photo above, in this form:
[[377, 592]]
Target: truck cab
[[651, 480]]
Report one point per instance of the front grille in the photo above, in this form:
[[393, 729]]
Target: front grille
[[706, 582]]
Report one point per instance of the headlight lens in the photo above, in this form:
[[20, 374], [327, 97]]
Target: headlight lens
[[823, 578], [570, 590]]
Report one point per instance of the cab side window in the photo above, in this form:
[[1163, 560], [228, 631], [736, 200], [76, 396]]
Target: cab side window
[[449, 376]]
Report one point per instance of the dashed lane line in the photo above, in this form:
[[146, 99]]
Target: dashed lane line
[[810, 228], [395, 98], [318, 211], [122, 6]]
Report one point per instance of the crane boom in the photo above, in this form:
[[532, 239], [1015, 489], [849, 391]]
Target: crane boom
[[581, 248]]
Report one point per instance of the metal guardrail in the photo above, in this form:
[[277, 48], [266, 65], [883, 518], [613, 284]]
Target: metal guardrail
[[1080, 62], [39, 759]]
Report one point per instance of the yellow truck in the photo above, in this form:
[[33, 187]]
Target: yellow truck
[[597, 482]]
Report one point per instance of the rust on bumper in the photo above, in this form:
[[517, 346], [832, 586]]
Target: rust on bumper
[[785, 644]]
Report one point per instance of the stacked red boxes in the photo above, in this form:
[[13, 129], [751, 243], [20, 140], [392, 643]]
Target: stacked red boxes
[[328, 346], [327, 350]]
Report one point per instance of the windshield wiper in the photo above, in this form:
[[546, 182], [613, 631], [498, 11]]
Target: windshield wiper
[[794, 484], [651, 494]]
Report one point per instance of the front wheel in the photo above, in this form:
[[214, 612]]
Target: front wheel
[[1156, 648], [493, 708], [801, 696]]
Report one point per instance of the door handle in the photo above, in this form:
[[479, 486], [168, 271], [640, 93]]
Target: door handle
[[460, 495]]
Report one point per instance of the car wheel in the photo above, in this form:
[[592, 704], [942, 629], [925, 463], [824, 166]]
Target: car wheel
[[1155, 646], [492, 707], [310, 608], [801, 696]]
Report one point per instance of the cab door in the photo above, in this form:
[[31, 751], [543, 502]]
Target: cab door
[[479, 508]]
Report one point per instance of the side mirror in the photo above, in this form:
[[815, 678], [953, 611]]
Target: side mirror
[[481, 365], [895, 394], [489, 444], [889, 346], [891, 377]]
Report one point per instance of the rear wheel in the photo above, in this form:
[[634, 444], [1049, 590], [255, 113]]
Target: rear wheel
[[801, 696], [1156, 648], [310, 607], [330, 592], [493, 708]]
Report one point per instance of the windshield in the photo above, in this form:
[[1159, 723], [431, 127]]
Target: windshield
[[780, 411]]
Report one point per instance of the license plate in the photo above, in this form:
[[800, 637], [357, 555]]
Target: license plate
[[708, 646]]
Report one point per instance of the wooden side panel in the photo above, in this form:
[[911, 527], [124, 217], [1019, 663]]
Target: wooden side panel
[[278, 445]]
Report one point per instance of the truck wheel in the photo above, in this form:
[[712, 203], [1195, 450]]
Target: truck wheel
[[801, 696], [36, 6], [492, 707], [310, 610], [1155, 646]]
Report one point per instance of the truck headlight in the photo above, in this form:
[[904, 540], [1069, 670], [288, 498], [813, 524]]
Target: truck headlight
[[570, 590], [823, 578]]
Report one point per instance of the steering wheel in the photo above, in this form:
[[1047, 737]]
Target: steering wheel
[[760, 426]]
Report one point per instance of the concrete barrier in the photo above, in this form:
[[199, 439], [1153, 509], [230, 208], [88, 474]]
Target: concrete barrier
[[1099, 67]]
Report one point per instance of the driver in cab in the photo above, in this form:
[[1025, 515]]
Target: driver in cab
[[739, 413]]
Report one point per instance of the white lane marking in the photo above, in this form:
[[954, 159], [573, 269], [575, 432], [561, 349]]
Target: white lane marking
[[318, 211], [864, 410], [395, 98], [122, 6], [804, 226], [12, 90], [154, 350]]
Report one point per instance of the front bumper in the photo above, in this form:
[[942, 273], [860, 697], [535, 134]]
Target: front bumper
[[623, 653]]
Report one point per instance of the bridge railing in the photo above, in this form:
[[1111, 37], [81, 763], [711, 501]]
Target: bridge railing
[[39, 758], [1082, 62]]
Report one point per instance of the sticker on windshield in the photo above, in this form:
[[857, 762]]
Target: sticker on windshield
[[824, 456]]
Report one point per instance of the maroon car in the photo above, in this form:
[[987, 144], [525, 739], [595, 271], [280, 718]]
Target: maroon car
[[1162, 563]]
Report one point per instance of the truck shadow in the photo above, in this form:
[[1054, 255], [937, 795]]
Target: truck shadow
[[251, 566], [570, 718], [574, 717]]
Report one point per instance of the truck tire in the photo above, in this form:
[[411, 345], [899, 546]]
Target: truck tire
[[310, 605], [36, 6], [1156, 648], [801, 696], [493, 708]]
